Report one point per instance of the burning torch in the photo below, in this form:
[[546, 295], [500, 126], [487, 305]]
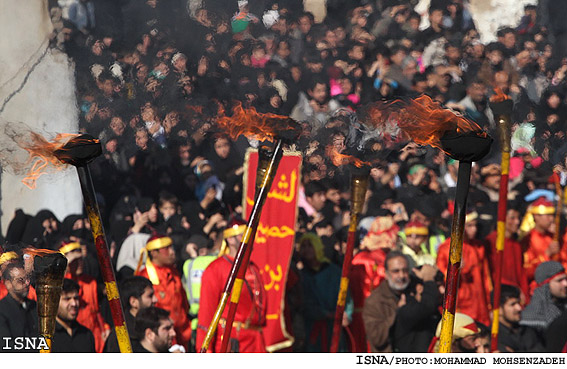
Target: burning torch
[[268, 127], [79, 151], [501, 105], [428, 123], [49, 269], [358, 186]]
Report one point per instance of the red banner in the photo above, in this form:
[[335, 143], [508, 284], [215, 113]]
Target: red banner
[[274, 241]]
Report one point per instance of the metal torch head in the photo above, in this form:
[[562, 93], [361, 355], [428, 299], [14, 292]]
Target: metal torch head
[[358, 187], [49, 272], [80, 150], [466, 146], [504, 107]]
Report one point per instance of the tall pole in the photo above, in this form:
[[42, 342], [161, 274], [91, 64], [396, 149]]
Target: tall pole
[[358, 186], [455, 256], [78, 152], [503, 110], [236, 278]]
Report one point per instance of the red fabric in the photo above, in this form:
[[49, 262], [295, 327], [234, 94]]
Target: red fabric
[[366, 274], [251, 307], [535, 245], [89, 312], [473, 296], [171, 297], [512, 263]]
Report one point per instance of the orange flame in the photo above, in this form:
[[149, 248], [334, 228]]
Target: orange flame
[[254, 125], [41, 155], [339, 159], [421, 119], [499, 96], [39, 252]]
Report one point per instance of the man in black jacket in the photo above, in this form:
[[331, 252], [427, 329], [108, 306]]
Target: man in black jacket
[[513, 337], [18, 314], [70, 335]]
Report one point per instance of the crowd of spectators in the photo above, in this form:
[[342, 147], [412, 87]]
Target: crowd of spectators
[[151, 76]]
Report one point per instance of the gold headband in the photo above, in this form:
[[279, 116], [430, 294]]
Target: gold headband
[[69, 247], [471, 216], [542, 210], [234, 231], [420, 231], [159, 243], [7, 256]]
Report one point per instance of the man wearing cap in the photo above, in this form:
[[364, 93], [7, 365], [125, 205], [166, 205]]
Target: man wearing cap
[[465, 335], [89, 307], [473, 295], [416, 234], [539, 243], [549, 299], [368, 269], [6, 258], [513, 272], [250, 317], [160, 270]]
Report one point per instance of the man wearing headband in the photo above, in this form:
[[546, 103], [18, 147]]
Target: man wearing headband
[[539, 243], [89, 311], [473, 298], [160, 270], [416, 235], [549, 299], [250, 318]]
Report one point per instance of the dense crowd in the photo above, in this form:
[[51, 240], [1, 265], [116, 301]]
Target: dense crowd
[[152, 76]]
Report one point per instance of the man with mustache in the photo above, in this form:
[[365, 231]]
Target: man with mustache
[[417, 298]]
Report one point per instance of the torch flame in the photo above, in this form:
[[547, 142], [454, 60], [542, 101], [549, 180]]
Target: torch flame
[[41, 154], [339, 159], [39, 252], [499, 96], [421, 119], [254, 125]]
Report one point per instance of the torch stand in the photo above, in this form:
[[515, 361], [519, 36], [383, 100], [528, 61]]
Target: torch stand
[[358, 186], [238, 271]]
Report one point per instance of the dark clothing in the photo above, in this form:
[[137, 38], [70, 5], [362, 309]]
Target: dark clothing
[[82, 339], [139, 349], [519, 339], [111, 344], [416, 321], [555, 337], [17, 320]]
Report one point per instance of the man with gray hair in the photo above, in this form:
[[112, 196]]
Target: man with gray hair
[[398, 314]]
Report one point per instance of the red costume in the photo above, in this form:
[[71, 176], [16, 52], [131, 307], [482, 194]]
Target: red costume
[[171, 297], [473, 296], [168, 289], [89, 312], [250, 314], [513, 272], [368, 271]]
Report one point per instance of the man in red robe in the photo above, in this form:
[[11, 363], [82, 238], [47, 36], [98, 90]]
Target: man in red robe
[[512, 259], [250, 318], [89, 311], [368, 271], [539, 244], [160, 270], [473, 295]]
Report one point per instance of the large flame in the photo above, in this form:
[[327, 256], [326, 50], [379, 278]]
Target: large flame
[[41, 154], [39, 252], [254, 125], [421, 119], [339, 159], [499, 96]]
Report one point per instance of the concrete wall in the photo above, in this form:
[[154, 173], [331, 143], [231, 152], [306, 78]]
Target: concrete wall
[[36, 90], [490, 15]]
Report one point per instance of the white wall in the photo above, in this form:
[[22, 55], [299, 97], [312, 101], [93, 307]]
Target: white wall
[[37, 90], [490, 15]]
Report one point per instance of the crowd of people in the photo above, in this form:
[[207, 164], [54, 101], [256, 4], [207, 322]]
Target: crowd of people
[[151, 79]]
